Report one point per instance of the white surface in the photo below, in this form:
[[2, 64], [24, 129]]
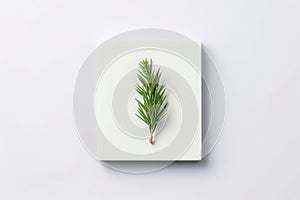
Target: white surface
[[255, 44], [114, 133]]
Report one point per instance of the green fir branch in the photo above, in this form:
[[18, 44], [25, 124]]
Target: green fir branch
[[154, 106]]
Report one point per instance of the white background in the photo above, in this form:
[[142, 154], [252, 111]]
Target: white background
[[255, 45]]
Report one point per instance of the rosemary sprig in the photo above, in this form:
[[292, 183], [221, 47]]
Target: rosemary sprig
[[154, 105]]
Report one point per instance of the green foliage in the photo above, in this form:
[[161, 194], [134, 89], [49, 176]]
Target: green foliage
[[154, 105]]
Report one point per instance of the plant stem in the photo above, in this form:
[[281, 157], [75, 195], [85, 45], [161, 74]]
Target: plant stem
[[151, 137]]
